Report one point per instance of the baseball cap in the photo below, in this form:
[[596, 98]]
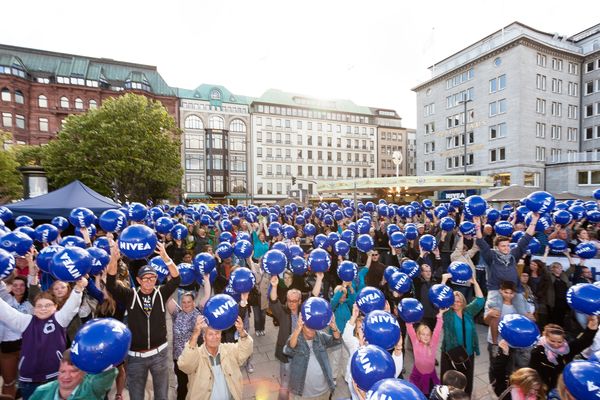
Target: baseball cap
[[146, 269]]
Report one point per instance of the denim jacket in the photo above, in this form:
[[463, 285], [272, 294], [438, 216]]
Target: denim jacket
[[300, 354]]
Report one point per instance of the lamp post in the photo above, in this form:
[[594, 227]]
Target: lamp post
[[464, 102], [397, 160]]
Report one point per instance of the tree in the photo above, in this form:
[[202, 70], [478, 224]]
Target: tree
[[129, 147], [10, 178]]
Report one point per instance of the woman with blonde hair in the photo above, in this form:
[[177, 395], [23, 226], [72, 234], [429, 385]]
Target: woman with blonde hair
[[525, 384]]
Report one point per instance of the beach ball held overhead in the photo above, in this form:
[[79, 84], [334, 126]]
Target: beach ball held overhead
[[369, 299], [582, 379], [540, 202], [274, 262], [137, 242], [518, 330], [316, 313], [370, 364], [584, 298], [441, 296], [394, 389], [475, 205], [382, 329], [221, 312], [410, 310], [81, 217]]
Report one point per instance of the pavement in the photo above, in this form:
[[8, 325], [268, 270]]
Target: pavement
[[263, 383]]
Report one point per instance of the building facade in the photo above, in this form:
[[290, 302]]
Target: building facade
[[215, 143], [411, 152], [518, 92], [310, 140], [39, 89], [391, 141]]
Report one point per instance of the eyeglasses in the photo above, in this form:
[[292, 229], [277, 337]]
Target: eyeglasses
[[148, 278], [44, 306], [293, 301]]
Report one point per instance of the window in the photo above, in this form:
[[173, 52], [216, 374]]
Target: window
[[498, 154], [541, 60], [497, 84], [42, 101], [259, 152], [573, 68], [237, 143], [19, 99], [429, 147], [43, 123], [460, 78], [501, 179], [540, 154], [540, 106], [588, 177], [64, 102], [194, 183], [457, 98], [589, 110], [429, 109], [556, 109], [531, 179], [498, 131], [572, 134], [573, 89], [237, 126], [194, 161], [540, 82], [555, 132], [572, 112], [497, 107], [20, 121], [193, 141], [215, 94], [557, 64], [555, 155], [7, 119], [78, 104], [589, 133], [429, 166], [6, 95], [216, 122], [540, 130], [92, 105], [556, 85], [430, 128]]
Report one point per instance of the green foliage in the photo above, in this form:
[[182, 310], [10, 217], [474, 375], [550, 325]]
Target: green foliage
[[10, 178], [29, 155], [130, 144]]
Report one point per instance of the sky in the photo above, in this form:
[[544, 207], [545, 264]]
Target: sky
[[371, 52]]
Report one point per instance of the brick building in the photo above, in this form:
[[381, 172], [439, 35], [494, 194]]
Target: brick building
[[39, 89]]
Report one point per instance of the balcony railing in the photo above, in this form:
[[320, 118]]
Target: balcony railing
[[590, 156]]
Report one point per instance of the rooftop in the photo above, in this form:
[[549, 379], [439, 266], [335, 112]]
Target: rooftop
[[213, 93], [276, 96]]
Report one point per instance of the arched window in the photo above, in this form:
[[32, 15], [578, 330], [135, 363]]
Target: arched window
[[92, 105], [6, 95], [216, 122], [42, 101], [79, 104], [237, 126], [193, 122], [64, 102], [19, 97]]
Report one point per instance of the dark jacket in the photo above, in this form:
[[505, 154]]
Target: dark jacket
[[285, 328], [548, 371], [497, 270]]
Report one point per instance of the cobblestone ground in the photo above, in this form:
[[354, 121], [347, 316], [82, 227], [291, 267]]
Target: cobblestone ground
[[263, 383]]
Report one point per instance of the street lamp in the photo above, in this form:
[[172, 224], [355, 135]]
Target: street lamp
[[397, 160], [465, 101]]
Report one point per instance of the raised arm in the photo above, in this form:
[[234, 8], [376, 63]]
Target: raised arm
[[71, 306], [13, 318]]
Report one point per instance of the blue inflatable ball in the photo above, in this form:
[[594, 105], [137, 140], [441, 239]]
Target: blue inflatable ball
[[348, 212], [100, 344], [427, 242], [137, 212], [461, 272], [411, 232], [363, 226], [70, 264], [294, 250], [316, 313], [155, 213], [187, 273], [44, 257], [394, 389], [348, 236], [475, 205], [369, 365], [224, 250], [5, 214], [381, 329], [467, 228], [283, 247], [341, 248], [225, 236], [578, 211], [226, 225], [593, 216], [310, 230], [447, 224], [410, 268], [365, 243], [7, 264], [46, 233], [137, 242], [321, 241], [440, 212], [347, 271], [582, 379], [100, 260], [493, 215], [534, 246], [562, 217], [289, 232], [503, 228], [242, 249], [16, 243], [596, 194], [456, 203], [179, 232], [584, 298], [397, 240], [410, 310], [557, 245], [275, 229], [61, 223], [112, 221], [388, 272], [540, 202], [91, 230], [298, 265], [163, 225], [595, 357], [369, 299], [338, 215], [518, 330], [391, 228], [74, 241], [161, 268], [274, 262], [399, 282], [221, 312], [23, 220], [582, 250], [299, 220], [427, 203], [250, 217], [29, 231], [319, 260], [81, 217], [242, 280], [102, 243], [441, 296]]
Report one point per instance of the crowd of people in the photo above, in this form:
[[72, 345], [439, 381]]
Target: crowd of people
[[508, 273]]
